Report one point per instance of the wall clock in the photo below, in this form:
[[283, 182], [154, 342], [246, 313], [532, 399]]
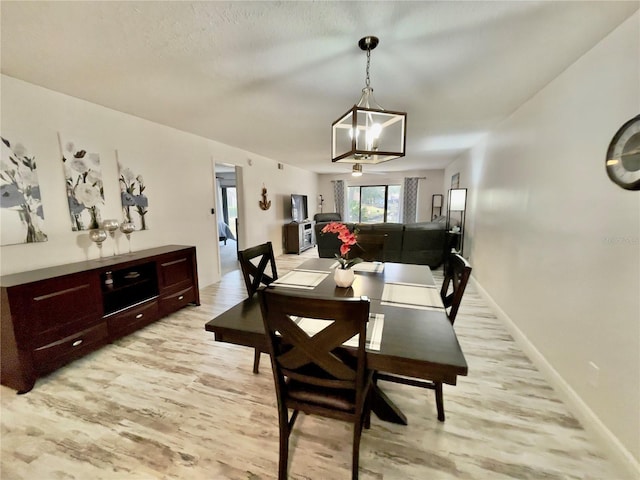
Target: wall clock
[[623, 156]]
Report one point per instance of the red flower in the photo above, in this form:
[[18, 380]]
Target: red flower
[[347, 238], [335, 227]]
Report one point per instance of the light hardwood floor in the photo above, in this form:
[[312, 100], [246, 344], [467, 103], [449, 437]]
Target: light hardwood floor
[[168, 402]]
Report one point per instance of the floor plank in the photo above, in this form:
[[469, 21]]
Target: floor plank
[[168, 402]]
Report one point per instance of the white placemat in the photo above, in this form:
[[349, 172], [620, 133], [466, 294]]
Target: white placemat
[[301, 279], [312, 326], [374, 267], [312, 270], [411, 295]]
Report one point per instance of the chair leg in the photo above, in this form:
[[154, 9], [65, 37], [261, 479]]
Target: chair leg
[[283, 461], [439, 400], [367, 405], [355, 460], [256, 360]]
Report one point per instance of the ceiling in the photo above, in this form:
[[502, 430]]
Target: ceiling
[[271, 77]]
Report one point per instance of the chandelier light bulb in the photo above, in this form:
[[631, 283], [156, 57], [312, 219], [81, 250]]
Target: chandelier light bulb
[[373, 134]]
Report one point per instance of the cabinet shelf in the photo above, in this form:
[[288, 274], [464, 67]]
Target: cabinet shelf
[[129, 286], [115, 289]]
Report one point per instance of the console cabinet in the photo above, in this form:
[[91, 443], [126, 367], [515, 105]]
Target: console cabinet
[[299, 237], [54, 315]]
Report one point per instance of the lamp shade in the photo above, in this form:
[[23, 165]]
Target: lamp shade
[[458, 199]]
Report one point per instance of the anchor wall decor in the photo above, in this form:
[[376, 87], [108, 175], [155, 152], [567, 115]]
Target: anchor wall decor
[[264, 203]]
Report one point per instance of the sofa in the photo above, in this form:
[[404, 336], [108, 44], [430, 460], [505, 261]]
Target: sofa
[[423, 243]]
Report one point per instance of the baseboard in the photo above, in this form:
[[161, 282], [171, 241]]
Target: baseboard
[[589, 420]]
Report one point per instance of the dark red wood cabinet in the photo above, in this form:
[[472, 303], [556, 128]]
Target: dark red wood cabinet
[[54, 315]]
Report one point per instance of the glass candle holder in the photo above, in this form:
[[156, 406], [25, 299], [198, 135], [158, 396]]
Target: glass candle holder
[[111, 226], [128, 228], [98, 236]]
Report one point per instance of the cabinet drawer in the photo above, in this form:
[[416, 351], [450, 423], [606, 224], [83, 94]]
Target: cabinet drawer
[[55, 354], [59, 307], [175, 301], [175, 272], [133, 318]]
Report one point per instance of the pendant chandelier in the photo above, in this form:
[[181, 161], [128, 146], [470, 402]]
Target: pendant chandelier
[[367, 133]]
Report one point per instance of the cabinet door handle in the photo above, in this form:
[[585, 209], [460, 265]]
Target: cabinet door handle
[[76, 343], [180, 297], [140, 315]]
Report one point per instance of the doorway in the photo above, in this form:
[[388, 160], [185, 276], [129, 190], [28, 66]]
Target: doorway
[[227, 216]]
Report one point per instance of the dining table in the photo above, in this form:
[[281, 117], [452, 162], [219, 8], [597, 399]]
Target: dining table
[[410, 335]]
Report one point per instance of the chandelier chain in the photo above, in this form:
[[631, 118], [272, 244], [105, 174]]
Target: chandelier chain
[[367, 81]]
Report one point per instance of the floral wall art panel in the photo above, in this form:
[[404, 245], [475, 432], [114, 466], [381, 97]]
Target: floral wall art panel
[[135, 204], [85, 191], [21, 212]]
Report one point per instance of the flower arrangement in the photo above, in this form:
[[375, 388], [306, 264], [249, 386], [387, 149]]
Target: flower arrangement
[[348, 239]]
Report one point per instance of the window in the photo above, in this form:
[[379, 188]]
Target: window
[[373, 203]]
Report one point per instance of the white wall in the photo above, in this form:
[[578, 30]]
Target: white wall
[[263, 225], [556, 244], [429, 185], [178, 171]]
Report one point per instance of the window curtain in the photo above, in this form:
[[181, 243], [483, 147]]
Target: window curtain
[[410, 209], [338, 195]]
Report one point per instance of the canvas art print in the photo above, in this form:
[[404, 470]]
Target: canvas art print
[[135, 204], [455, 180], [85, 192], [20, 203]]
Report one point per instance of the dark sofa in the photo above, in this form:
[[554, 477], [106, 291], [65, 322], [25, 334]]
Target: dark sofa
[[420, 243]]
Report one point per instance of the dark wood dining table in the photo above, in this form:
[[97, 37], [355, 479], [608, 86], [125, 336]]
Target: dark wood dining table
[[416, 342]]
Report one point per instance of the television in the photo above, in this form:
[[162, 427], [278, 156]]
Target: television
[[299, 212]]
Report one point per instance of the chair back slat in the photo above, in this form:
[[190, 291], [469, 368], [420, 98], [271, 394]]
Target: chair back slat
[[456, 275], [254, 273], [316, 349], [319, 381]]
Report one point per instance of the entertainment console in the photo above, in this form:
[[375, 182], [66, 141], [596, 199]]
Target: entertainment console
[[54, 315], [299, 237]]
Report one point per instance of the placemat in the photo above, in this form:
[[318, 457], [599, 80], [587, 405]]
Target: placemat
[[411, 295], [301, 279], [374, 267]]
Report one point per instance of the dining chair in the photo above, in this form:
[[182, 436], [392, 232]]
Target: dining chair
[[313, 372], [456, 276], [254, 262], [370, 247], [457, 271]]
